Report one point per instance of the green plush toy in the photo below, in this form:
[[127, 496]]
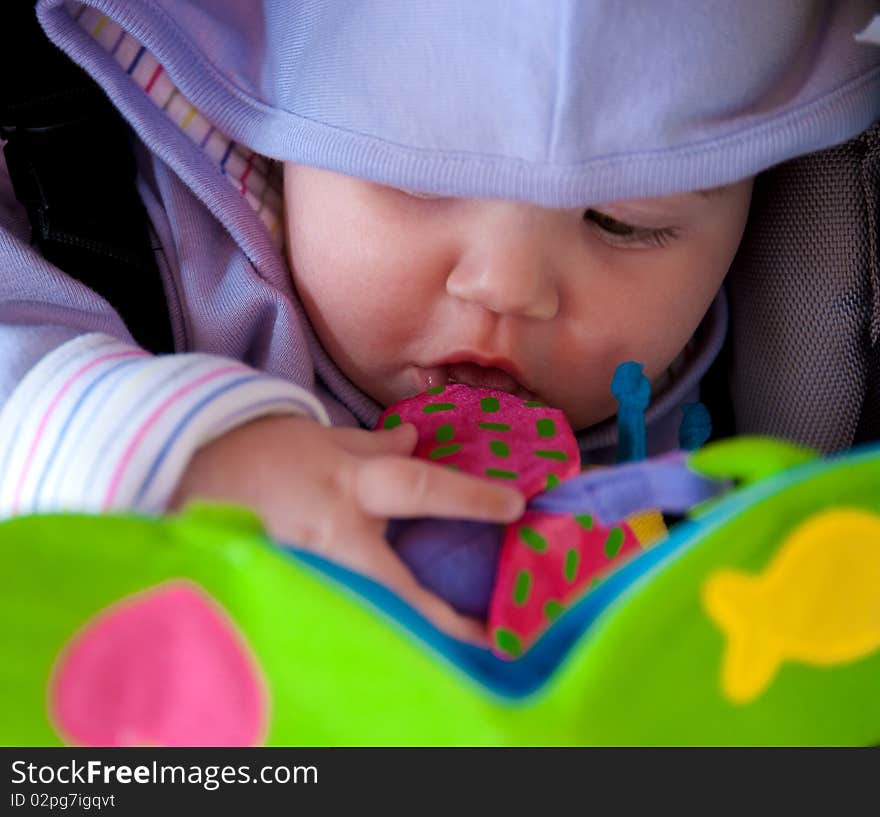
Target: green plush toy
[[756, 622]]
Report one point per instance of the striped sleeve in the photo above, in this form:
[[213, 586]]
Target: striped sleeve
[[99, 425]]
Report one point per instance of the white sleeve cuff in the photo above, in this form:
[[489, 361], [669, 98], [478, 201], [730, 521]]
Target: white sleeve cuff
[[99, 425]]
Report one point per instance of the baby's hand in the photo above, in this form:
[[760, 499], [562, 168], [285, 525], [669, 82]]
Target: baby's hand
[[332, 491]]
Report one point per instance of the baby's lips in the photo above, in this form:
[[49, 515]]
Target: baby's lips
[[487, 377], [431, 377], [467, 373]]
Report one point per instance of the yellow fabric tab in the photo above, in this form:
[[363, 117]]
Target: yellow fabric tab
[[648, 526]]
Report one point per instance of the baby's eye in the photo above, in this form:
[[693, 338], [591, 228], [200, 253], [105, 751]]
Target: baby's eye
[[621, 234]]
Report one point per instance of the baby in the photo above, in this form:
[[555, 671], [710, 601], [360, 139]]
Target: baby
[[506, 295], [521, 205]]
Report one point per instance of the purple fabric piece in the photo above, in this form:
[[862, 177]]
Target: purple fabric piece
[[664, 483], [455, 558]]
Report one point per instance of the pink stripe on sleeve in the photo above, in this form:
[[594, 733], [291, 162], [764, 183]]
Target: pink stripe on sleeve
[[151, 421], [51, 408]]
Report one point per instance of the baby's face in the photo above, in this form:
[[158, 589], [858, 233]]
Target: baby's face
[[408, 292]]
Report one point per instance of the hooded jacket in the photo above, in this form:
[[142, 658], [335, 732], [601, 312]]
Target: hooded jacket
[[556, 103]]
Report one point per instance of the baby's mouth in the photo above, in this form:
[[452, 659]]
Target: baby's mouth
[[473, 374]]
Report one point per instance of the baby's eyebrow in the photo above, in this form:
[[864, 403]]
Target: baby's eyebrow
[[657, 206], [672, 200]]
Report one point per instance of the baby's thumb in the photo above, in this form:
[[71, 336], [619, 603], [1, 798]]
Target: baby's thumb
[[401, 439], [398, 441]]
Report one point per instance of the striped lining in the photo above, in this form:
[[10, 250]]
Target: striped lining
[[257, 178]]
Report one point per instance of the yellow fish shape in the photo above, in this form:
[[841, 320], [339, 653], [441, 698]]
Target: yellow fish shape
[[817, 602]]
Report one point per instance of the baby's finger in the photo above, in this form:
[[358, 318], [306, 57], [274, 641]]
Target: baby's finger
[[400, 440], [386, 567], [398, 487]]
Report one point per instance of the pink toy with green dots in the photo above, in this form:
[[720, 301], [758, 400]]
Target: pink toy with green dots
[[548, 560], [492, 434]]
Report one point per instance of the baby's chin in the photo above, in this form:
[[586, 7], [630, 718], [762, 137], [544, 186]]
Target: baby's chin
[[581, 421], [584, 411]]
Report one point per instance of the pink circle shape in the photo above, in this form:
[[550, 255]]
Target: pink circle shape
[[165, 667]]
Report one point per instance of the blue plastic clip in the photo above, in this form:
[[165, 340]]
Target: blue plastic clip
[[633, 392], [695, 428]]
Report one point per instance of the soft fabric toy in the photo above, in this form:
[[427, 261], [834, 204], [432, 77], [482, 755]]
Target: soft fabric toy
[[755, 622], [551, 556], [491, 433]]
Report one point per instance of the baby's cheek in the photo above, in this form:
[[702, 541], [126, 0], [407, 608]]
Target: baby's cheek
[[580, 380], [661, 333]]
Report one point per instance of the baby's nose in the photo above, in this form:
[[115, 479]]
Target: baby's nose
[[508, 269]]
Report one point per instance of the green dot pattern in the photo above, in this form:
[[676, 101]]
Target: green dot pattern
[[499, 448], [431, 408], [533, 404], [391, 421], [546, 428], [551, 454], [489, 404], [594, 582], [508, 642], [585, 520], [497, 472], [531, 537], [436, 390], [444, 451], [572, 560], [494, 426], [553, 609], [552, 481], [613, 542], [444, 433], [522, 588]]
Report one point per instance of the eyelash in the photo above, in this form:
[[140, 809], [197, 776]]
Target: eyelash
[[617, 233], [620, 234]]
